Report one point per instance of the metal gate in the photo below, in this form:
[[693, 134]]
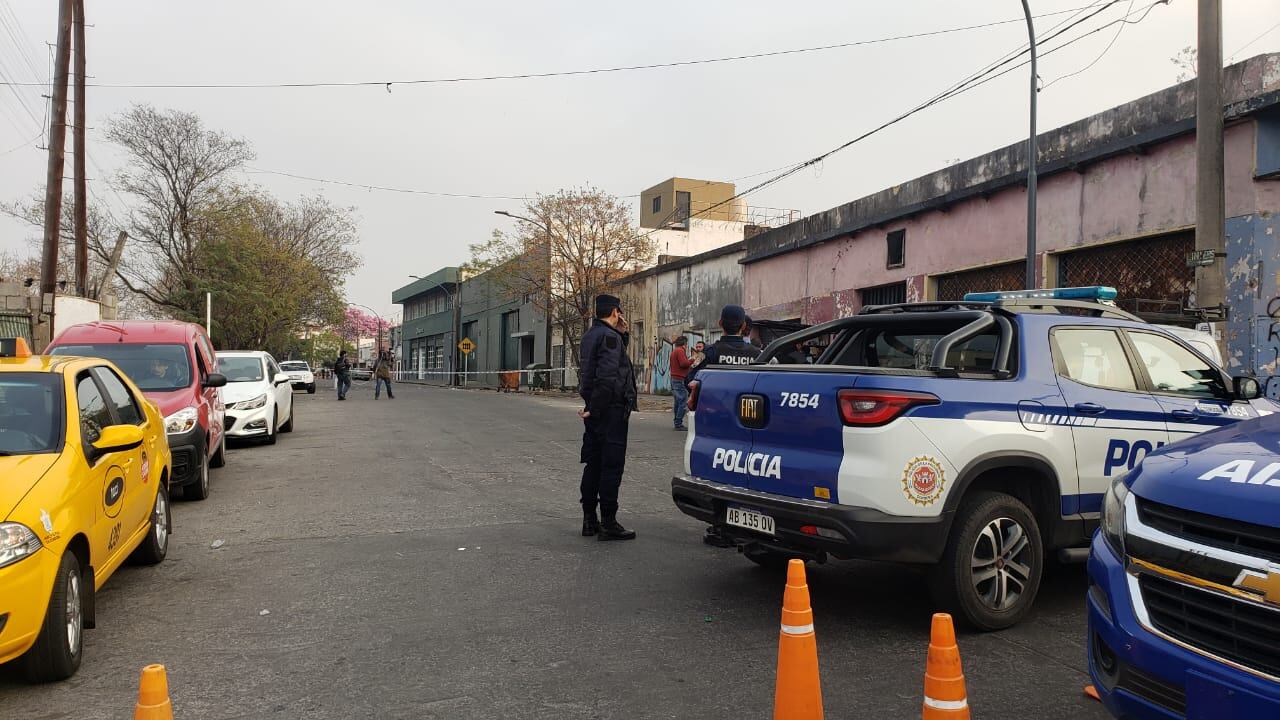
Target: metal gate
[[1150, 275], [16, 325], [892, 294], [1006, 276]]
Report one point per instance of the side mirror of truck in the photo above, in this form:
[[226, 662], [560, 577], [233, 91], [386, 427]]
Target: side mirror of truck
[[1246, 388]]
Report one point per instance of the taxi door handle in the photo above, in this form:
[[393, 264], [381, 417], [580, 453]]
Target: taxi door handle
[[1183, 415], [1089, 408]]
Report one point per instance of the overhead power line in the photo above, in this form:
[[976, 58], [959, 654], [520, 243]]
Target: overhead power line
[[562, 73], [370, 186], [971, 82]]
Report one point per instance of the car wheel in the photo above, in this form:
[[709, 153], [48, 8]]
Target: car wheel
[[198, 490], [288, 424], [57, 651], [311, 389], [220, 458], [271, 428], [991, 569], [770, 560], [156, 545]]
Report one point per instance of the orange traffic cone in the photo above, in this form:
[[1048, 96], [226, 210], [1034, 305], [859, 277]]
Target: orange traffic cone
[[153, 695], [799, 694], [944, 694]]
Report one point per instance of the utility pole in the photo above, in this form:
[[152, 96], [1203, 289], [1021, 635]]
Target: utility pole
[[81, 189], [1032, 153], [1210, 192], [53, 180]]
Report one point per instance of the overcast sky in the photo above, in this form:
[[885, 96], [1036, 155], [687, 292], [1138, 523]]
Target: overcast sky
[[620, 131]]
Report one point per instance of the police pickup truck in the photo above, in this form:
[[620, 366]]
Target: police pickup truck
[[974, 437], [1184, 580]]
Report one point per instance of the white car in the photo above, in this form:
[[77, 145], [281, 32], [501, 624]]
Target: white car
[[300, 375], [258, 395]]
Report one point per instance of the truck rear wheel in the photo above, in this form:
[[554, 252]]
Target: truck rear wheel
[[991, 569]]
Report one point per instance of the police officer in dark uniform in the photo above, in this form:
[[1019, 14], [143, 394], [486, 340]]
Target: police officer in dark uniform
[[731, 348], [607, 384]]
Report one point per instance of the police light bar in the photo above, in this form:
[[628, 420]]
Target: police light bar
[[1094, 293]]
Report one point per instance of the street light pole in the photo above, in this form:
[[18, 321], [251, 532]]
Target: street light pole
[[1032, 152], [550, 296]]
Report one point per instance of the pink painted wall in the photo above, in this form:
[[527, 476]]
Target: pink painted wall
[[1123, 197]]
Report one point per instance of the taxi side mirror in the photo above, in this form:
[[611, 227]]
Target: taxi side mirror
[[1246, 388], [214, 380], [117, 438]]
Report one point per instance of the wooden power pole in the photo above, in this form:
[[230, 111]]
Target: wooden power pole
[[53, 180], [81, 187]]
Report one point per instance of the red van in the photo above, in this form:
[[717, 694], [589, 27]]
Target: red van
[[173, 364]]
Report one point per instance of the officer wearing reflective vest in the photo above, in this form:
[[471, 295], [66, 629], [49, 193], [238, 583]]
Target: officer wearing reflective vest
[[607, 384], [731, 348]]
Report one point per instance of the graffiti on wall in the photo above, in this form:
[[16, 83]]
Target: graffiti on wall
[[661, 367], [1253, 296]]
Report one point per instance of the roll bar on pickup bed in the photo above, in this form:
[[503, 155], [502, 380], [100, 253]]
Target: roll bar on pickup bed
[[978, 321]]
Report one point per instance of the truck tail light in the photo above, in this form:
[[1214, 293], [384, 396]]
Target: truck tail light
[[692, 402], [871, 408]]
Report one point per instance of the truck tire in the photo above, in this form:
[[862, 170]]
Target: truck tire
[[991, 569]]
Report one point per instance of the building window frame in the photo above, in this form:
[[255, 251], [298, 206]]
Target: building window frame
[[895, 249]]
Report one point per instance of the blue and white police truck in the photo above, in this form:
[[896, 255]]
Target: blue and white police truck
[[974, 437], [1184, 580]]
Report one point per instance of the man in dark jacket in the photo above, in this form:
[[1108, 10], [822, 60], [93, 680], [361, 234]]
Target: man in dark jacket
[[731, 348], [607, 384], [342, 370]]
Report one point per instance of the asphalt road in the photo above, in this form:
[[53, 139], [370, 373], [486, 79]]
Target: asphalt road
[[420, 558]]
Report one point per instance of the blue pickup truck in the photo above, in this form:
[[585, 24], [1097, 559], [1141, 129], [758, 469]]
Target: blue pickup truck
[[974, 438], [1184, 580]]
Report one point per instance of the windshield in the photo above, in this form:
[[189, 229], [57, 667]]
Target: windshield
[[30, 413], [150, 367], [294, 366], [240, 369]]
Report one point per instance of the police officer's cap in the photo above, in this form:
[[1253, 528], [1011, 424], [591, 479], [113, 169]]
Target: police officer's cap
[[605, 305], [733, 316]]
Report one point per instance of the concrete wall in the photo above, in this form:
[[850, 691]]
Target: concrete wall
[[702, 236], [683, 297], [1253, 294]]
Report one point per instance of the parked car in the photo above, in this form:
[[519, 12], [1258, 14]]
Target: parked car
[[361, 373], [972, 437], [175, 366], [300, 375], [1184, 591], [259, 395], [84, 485]]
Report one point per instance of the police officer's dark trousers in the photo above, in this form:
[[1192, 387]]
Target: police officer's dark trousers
[[604, 452]]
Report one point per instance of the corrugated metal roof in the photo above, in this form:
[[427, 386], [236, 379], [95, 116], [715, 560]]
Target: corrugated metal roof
[[15, 325]]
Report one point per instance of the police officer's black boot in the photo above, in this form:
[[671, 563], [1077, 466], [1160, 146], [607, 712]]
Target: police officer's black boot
[[590, 523], [611, 529]]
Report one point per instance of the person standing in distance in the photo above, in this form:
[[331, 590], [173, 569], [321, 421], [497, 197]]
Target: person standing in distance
[[731, 348], [607, 384], [342, 371], [680, 366]]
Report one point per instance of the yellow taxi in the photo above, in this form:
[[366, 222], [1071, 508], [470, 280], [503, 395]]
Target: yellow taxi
[[84, 473]]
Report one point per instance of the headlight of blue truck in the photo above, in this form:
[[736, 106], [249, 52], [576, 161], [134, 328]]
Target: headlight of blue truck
[[1113, 514]]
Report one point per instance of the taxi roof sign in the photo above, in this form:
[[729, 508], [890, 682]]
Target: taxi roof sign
[[14, 347], [1095, 293]]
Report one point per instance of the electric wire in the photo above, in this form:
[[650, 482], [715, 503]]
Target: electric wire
[[564, 73]]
